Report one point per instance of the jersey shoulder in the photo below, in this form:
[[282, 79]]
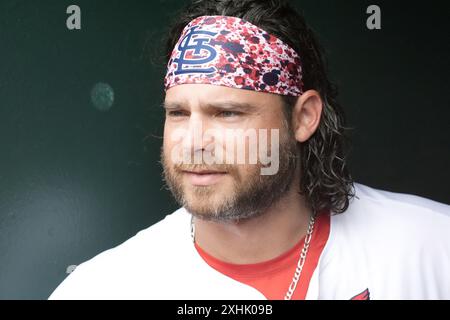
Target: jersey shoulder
[[124, 265], [394, 216], [397, 245], [421, 204]]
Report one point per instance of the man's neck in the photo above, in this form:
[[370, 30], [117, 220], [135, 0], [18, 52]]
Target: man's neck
[[257, 239]]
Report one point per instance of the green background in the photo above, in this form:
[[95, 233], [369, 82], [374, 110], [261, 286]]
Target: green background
[[76, 180]]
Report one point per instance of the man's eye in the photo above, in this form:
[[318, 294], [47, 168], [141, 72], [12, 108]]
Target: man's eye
[[176, 113], [228, 114]]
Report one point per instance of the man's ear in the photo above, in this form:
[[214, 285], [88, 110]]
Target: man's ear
[[306, 115]]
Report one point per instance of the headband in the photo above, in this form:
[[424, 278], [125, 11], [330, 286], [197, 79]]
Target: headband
[[231, 52]]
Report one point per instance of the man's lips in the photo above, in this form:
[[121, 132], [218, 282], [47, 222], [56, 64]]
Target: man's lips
[[204, 171], [204, 177]]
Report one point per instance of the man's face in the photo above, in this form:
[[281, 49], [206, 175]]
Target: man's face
[[207, 121]]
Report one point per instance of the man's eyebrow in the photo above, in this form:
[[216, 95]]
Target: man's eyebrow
[[242, 106], [217, 105], [171, 105]]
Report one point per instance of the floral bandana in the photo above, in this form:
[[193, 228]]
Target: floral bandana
[[231, 52]]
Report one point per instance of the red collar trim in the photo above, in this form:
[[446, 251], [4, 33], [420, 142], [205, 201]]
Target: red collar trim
[[286, 260]]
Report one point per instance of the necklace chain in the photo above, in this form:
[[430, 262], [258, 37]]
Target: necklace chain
[[301, 260]]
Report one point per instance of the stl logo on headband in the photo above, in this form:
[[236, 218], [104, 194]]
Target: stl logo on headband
[[229, 51], [191, 49]]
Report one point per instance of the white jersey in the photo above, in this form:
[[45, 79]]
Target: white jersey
[[385, 245]]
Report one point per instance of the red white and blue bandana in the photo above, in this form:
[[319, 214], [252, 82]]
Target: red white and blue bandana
[[231, 52]]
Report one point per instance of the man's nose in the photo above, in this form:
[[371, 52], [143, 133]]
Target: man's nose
[[196, 140]]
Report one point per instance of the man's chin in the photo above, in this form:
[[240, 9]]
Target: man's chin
[[200, 194], [204, 212], [205, 207]]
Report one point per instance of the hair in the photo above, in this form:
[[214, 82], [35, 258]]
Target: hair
[[325, 180]]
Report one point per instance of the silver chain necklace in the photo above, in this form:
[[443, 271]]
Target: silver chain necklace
[[301, 260]]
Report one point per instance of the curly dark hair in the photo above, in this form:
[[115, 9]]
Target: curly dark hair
[[325, 180]]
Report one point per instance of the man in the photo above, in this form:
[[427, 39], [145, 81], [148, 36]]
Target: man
[[254, 152]]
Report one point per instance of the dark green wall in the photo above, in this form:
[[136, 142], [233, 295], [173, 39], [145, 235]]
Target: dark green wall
[[76, 180]]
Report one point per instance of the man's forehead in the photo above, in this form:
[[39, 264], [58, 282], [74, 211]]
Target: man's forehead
[[206, 95]]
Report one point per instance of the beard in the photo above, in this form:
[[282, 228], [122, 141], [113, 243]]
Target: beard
[[250, 195]]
